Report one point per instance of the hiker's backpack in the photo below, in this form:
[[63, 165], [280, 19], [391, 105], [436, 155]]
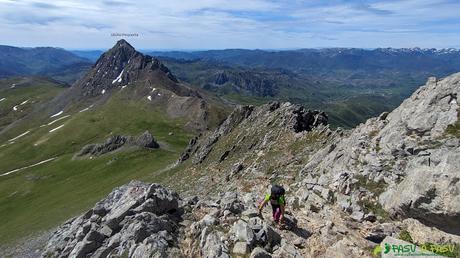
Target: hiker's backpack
[[277, 191]]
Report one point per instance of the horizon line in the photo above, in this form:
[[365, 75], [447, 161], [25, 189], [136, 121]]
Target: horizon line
[[220, 49]]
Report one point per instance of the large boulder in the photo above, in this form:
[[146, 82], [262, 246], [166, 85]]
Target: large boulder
[[231, 201], [259, 252], [243, 232], [256, 232], [212, 245], [135, 219], [287, 251], [146, 140]]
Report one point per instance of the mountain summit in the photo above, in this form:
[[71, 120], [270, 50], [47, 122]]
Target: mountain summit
[[123, 72], [122, 65]]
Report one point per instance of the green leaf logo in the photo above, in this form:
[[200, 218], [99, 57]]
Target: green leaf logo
[[387, 248]]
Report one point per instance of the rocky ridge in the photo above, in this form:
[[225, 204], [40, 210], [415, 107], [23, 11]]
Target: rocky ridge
[[406, 154], [346, 190], [288, 116], [144, 140], [373, 181], [121, 65]]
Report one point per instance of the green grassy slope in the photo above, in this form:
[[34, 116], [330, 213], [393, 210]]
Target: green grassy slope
[[32, 90], [41, 197], [352, 111]]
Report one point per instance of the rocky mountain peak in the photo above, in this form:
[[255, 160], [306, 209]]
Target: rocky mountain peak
[[122, 65], [119, 55], [123, 44]]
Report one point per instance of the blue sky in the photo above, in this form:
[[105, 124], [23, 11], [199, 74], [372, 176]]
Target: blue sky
[[218, 24]]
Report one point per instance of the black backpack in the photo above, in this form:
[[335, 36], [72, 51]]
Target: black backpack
[[277, 191]]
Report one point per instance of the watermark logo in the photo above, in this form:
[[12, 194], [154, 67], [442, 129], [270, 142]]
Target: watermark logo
[[387, 248], [446, 250]]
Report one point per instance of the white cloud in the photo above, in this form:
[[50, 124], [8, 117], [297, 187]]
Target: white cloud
[[228, 24]]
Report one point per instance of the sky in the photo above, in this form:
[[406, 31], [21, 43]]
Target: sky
[[218, 24]]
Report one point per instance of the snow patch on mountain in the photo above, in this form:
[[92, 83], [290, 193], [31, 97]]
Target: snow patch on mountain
[[33, 165], [56, 120], [57, 128], [19, 136], [118, 79], [57, 114]]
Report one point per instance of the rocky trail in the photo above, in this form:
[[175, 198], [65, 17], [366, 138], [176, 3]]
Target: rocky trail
[[142, 220]]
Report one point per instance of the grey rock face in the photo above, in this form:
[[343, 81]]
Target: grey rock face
[[243, 232], [427, 113], [306, 120], [423, 234], [110, 144], [378, 232], [127, 225], [212, 246], [144, 140], [402, 161], [429, 193]]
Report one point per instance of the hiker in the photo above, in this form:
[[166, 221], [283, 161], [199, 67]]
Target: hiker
[[277, 200]]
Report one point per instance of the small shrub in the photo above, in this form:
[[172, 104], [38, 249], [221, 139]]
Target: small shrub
[[375, 187], [373, 133], [376, 208], [454, 130], [405, 235]]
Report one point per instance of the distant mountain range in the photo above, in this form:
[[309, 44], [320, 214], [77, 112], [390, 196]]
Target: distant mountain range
[[314, 60], [54, 62], [350, 84], [92, 55]]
